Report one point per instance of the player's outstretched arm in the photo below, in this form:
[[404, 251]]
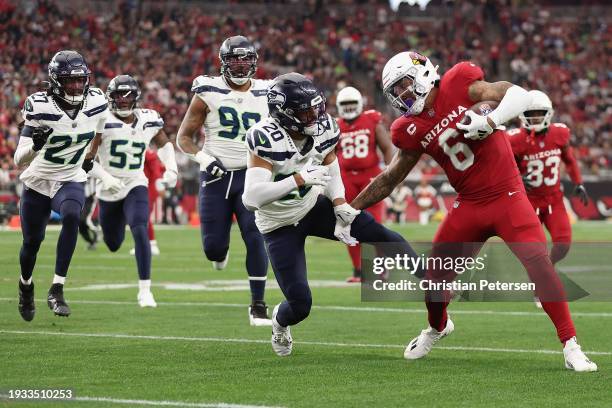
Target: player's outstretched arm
[[165, 152], [383, 140], [382, 186]]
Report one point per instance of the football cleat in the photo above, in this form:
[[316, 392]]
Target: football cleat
[[146, 299], [353, 279], [282, 343], [220, 265], [258, 314], [420, 346], [26, 301], [56, 301], [575, 359], [537, 302], [154, 248]]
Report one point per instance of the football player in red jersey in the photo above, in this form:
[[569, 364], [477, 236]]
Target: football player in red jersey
[[480, 166], [539, 148], [360, 134]]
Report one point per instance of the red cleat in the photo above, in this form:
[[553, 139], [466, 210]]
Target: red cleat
[[354, 279]]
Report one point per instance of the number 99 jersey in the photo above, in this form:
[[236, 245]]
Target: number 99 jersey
[[270, 142], [123, 148], [231, 114], [62, 156]]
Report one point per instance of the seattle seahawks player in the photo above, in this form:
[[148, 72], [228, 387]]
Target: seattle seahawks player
[[293, 184], [227, 106], [59, 125], [122, 191]]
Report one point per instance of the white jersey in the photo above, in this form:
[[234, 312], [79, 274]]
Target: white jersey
[[61, 158], [123, 148], [272, 143], [231, 114]]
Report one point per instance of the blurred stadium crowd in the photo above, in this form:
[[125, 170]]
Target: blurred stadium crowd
[[564, 51]]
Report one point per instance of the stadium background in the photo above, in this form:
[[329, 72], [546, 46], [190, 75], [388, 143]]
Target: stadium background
[[560, 47]]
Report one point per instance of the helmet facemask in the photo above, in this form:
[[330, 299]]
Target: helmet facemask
[[123, 102], [349, 110], [240, 66], [70, 88], [536, 120], [408, 95]]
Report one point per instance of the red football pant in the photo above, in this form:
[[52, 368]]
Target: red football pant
[[556, 220], [354, 182], [512, 219]]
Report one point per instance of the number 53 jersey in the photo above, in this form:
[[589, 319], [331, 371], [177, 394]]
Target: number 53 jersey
[[231, 114], [123, 149], [62, 156], [477, 169]]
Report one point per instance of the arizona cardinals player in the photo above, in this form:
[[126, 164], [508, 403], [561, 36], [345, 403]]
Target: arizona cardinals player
[[480, 165], [361, 133], [539, 148]]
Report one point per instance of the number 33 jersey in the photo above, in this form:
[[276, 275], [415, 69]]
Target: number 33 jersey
[[270, 142], [477, 169], [61, 158], [230, 114], [123, 148]]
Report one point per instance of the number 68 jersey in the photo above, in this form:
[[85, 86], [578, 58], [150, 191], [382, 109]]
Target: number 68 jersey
[[61, 158], [123, 149], [271, 142]]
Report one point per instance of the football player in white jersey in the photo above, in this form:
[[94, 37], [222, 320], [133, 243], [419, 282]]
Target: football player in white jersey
[[293, 184], [61, 132], [122, 191], [227, 106]]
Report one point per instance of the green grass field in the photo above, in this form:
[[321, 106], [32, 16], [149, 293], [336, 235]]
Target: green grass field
[[197, 349]]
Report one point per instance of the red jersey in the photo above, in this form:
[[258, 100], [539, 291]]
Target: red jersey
[[477, 169], [357, 148], [152, 168], [539, 157]]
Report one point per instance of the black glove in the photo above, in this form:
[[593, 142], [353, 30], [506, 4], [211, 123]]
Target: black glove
[[39, 136], [87, 165], [216, 169], [527, 183], [581, 192]]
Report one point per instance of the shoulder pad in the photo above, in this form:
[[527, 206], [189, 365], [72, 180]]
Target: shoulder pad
[[205, 83], [264, 140], [150, 118], [260, 86], [96, 102], [38, 106], [329, 138]]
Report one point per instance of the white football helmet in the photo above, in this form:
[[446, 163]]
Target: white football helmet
[[349, 103], [539, 114], [422, 75]]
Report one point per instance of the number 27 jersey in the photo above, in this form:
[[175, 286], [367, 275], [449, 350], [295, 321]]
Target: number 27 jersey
[[123, 148], [477, 169]]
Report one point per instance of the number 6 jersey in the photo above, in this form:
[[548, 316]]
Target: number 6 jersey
[[123, 149], [231, 114], [477, 169], [62, 156]]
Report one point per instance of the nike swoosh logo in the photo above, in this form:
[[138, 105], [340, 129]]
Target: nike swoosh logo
[[310, 171], [511, 193]]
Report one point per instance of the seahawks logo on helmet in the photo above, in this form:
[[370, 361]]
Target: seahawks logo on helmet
[[276, 98]]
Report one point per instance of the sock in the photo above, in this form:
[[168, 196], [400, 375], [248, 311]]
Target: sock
[[560, 315], [26, 282], [144, 285], [59, 279], [143, 251], [153, 242], [355, 254], [258, 287], [437, 303]]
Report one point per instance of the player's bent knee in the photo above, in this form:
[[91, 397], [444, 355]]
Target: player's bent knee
[[215, 253], [113, 244], [71, 212]]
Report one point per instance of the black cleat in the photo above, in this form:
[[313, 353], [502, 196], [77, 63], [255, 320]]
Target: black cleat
[[258, 314], [56, 302], [26, 301]]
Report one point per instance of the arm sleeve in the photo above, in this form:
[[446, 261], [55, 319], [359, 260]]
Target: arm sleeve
[[515, 101], [259, 190], [24, 154], [571, 165], [167, 157], [335, 187]]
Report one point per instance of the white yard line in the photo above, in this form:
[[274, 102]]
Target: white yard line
[[310, 343], [333, 308]]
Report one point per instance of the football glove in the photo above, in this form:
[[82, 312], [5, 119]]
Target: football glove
[[212, 166], [345, 215], [170, 178], [315, 175], [112, 184], [39, 137], [343, 233], [87, 165], [581, 192], [477, 126]]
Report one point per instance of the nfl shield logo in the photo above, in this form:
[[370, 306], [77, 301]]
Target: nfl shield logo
[[542, 144]]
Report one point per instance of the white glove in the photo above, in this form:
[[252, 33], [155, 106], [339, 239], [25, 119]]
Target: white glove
[[345, 215], [170, 178], [211, 164], [477, 129], [112, 184], [315, 175]]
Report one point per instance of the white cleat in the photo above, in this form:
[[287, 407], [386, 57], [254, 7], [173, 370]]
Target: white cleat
[[420, 346], [282, 343], [258, 314], [537, 302], [575, 359], [222, 264], [154, 249], [146, 299]]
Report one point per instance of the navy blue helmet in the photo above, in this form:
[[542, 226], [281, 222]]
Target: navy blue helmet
[[69, 77], [238, 59], [297, 104], [122, 93]]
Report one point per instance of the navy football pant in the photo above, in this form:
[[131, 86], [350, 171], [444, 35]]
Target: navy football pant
[[220, 199], [286, 249], [35, 209], [133, 210]]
